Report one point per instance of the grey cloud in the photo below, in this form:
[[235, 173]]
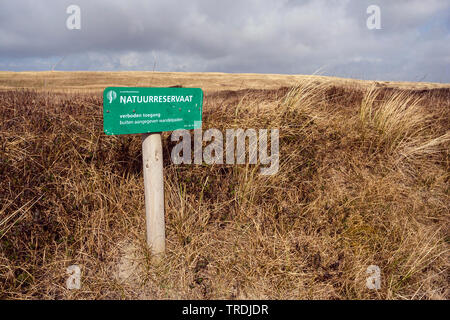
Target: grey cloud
[[267, 36]]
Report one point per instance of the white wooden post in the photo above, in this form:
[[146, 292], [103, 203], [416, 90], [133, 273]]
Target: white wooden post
[[152, 157]]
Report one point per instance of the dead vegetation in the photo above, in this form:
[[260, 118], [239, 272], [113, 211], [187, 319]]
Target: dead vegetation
[[96, 81], [363, 180]]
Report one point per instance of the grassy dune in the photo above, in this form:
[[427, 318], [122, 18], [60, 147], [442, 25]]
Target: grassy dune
[[88, 81], [363, 180]]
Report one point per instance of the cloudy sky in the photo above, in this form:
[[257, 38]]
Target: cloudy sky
[[328, 37]]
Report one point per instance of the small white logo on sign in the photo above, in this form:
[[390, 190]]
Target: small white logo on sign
[[111, 95], [74, 280]]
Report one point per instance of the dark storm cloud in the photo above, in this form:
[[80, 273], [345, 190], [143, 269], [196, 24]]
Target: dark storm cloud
[[268, 36]]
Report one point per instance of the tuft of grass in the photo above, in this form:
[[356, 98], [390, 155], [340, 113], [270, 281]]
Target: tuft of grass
[[397, 118]]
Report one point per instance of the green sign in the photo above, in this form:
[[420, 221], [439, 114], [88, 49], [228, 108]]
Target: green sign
[[140, 110]]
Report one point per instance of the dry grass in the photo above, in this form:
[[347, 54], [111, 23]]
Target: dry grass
[[363, 179], [96, 81]]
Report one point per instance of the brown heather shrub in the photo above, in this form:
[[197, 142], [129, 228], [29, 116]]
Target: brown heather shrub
[[363, 180]]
